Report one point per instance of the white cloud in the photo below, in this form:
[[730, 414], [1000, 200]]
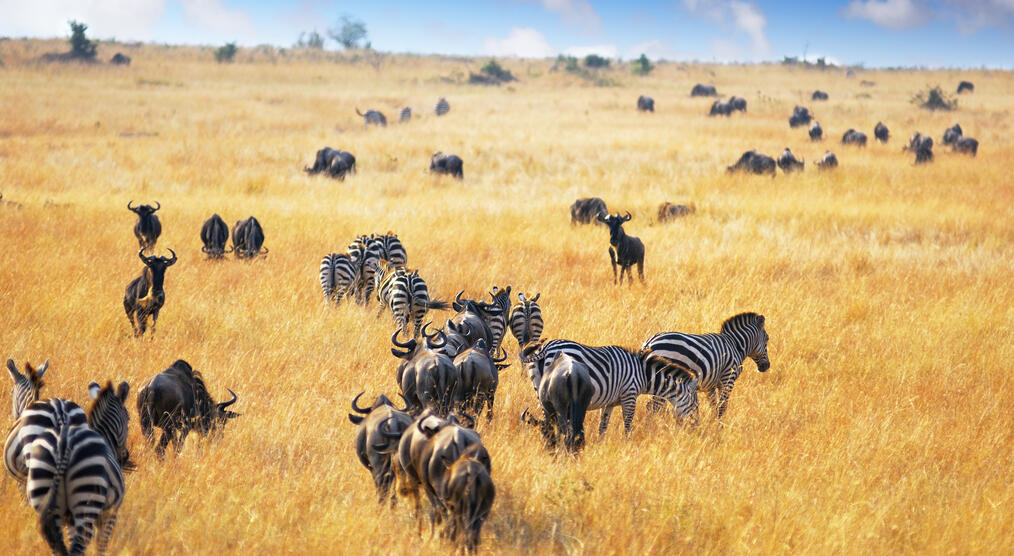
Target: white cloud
[[744, 17], [892, 14], [522, 42], [123, 19], [604, 50], [726, 50], [972, 15], [213, 16], [576, 12], [653, 49], [747, 18]]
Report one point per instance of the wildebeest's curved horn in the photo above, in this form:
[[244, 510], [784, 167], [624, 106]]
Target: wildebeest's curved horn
[[158, 205], [386, 432], [458, 304], [130, 208], [627, 217], [355, 406], [431, 341], [394, 340], [140, 255], [171, 261], [601, 217], [425, 326], [504, 358], [404, 399], [223, 405], [523, 414]]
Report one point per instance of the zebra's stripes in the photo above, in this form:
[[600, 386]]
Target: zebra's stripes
[[526, 319], [618, 375], [365, 253], [26, 386], [337, 276], [716, 359], [392, 249], [40, 419], [406, 294], [498, 322]]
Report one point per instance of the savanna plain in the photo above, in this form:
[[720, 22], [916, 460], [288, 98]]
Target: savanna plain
[[883, 426]]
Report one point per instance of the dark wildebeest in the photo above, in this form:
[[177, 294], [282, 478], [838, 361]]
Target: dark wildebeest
[[443, 107], [478, 378], [819, 95], [881, 132], [853, 137], [248, 238], [470, 324], [427, 377], [623, 249], [703, 91], [120, 59], [645, 104], [866, 83], [373, 117], [952, 134], [334, 162], [755, 162], [966, 145], [145, 294], [720, 108], [214, 234], [923, 147], [816, 132], [966, 86], [177, 401], [147, 228], [586, 210], [406, 115], [828, 161], [566, 392], [447, 164], [380, 428], [800, 116], [788, 162], [668, 211], [738, 103], [467, 493], [440, 452]]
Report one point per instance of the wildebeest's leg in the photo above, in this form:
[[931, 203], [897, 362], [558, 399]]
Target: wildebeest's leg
[[489, 404], [154, 319], [163, 442], [142, 322], [612, 259], [627, 405], [129, 309], [640, 270], [604, 421]]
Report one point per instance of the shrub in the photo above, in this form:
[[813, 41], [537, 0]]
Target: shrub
[[496, 71], [225, 54], [935, 99], [642, 66], [595, 61], [80, 45], [348, 32]]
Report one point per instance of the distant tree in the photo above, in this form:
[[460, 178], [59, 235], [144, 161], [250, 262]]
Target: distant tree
[[313, 39], [642, 66], [595, 61], [80, 45], [935, 99], [225, 54], [349, 31]]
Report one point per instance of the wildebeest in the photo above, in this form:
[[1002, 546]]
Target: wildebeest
[[586, 210], [952, 134], [819, 95], [966, 86], [828, 161], [853, 137], [373, 117], [478, 378], [866, 83], [738, 103], [966, 145], [145, 294], [147, 228], [121, 59], [645, 104], [248, 238], [800, 116], [177, 401], [754, 162], [923, 147], [881, 132], [720, 108], [668, 211], [447, 164], [471, 323], [467, 493], [565, 392], [816, 132], [333, 162], [214, 234], [788, 162], [406, 115], [443, 107], [623, 249], [380, 428], [427, 377], [703, 91], [439, 454]]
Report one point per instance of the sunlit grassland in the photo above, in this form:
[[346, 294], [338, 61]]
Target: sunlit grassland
[[883, 425]]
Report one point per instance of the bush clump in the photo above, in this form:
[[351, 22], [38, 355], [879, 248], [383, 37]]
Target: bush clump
[[595, 61], [491, 74], [935, 99], [226, 53], [642, 66], [81, 47]]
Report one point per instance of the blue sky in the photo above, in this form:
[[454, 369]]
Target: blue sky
[[933, 33]]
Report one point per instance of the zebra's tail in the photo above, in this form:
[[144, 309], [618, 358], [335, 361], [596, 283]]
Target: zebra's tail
[[49, 516], [434, 304]]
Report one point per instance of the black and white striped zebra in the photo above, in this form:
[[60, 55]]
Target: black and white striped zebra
[[41, 419], [497, 321], [716, 359], [406, 294], [526, 319], [618, 375], [392, 249], [337, 276], [365, 253], [26, 387]]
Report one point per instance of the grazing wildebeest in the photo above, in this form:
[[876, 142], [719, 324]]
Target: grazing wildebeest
[[147, 228], [623, 249], [881, 132], [668, 211], [586, 210], [443, 107], [214, 234], [380, 428], [755, 162], [800, 116], [738, 103], [966, 86], [788, 162], [447, 164], [923, 147], [952, 134], [333, 162], [406, 115], [248, 238], [819, 95], [467, 493], [645, 104], [120, 59], [816, 132], [853, 137], [966, 145], [145, 294], [177, 401], [373, 117], [828, 161], [719, 108], [703, 91]]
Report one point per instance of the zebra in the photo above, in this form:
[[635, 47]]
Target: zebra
[[498, 321], [392, 249], [526, 319], [716, 359], [365, 253], [406, 294], [39, 419], [618, 375], [75, 476], [337, 276], [26, 386]]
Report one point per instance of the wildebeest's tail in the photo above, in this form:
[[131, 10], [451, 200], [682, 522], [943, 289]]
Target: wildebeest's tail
[[360, 113]]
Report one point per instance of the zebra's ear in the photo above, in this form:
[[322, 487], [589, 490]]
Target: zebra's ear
[[93, 390], [760, 321], [13, 369], [122, 390]]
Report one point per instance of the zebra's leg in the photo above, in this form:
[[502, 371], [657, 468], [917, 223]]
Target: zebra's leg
[[721, 400], [84, 529], [604, 421], [612, 259], [52, 530], [655, 405], [105, 525], [627, 405]]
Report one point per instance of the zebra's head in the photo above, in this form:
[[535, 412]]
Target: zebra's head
[[26, 386], [109, 417], [747, 330]]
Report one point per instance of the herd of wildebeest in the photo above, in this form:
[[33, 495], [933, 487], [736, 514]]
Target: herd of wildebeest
[[70, 464]]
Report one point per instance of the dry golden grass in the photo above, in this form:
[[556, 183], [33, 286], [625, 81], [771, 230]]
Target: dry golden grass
[[883, 426]]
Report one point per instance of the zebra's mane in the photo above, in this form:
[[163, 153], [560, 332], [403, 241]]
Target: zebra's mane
[[742, 319], [32, 375]]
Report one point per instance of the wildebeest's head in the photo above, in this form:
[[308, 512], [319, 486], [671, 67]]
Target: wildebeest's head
[[143, 210], [615, 224]]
